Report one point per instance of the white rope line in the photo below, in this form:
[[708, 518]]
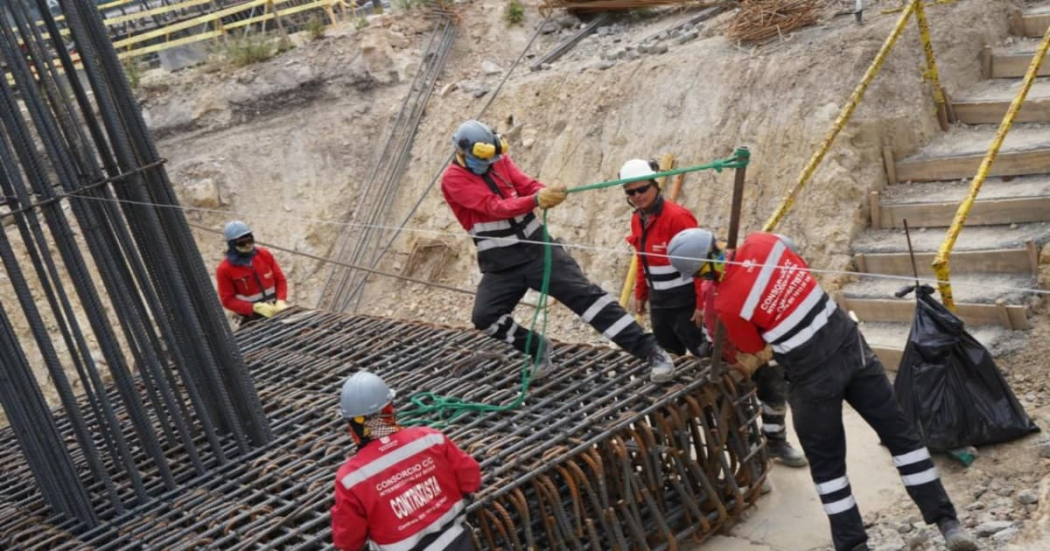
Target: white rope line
[[577, 246]]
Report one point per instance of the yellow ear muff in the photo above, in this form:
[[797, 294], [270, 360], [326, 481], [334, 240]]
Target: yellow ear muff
[[483, 150], [503, 145]]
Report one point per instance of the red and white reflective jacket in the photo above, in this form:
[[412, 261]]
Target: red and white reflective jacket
[[707, 296], [767, 295], [242, 286], [657, 280], [403, 492], [496, 210]]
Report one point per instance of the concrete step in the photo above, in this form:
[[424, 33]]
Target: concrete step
[[888, 340], [1034, 23], [958, 153], [894, 310], [985, 212], [1012, 60], [988, 101], [972, 288], [977, 238], [996, 261]]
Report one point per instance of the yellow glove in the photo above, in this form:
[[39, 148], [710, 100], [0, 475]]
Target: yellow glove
[[749, 363], [264, 309], [280, 306], [550, 197]]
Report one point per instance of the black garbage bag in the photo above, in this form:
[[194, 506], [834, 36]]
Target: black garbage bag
[[950, 387]]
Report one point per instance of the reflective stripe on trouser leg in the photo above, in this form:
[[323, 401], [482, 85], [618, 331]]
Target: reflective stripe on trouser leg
[[773, 423], [507, 330], [871, 394], [569, 286]]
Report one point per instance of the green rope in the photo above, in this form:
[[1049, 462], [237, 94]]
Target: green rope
[[434, 410]]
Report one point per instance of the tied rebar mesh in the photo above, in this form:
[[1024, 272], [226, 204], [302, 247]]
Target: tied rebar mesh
[[116, 298], [596, 458]]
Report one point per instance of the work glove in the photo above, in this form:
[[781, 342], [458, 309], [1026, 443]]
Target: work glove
[[550, 197], [749, 363], [279, 306], [264, 309]]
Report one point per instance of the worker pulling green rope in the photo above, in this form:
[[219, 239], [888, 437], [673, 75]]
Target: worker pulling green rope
[[430, 409]]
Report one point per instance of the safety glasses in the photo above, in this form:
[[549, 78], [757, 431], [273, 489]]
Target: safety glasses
[[638, 190], [243, 241]]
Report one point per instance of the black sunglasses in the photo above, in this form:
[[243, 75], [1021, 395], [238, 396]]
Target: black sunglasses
[[248, 240], [638, 190]]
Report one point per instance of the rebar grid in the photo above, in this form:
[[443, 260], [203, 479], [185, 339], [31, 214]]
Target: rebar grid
[[597, 457]]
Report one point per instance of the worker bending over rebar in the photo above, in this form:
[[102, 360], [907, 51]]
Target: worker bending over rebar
[[772, 307]]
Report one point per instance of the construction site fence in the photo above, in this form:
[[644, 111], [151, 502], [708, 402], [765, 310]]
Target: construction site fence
[[176, 24]]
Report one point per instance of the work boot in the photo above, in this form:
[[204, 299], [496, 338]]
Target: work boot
[[661, 366], [861, 547], [785, 452], [956, 538], [543, 361]]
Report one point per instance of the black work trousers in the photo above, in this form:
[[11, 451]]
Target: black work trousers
[[771, 389], [852, 373], [499, 292], [675, 331]]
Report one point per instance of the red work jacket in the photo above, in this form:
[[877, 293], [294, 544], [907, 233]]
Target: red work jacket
[[767, 295], [496, 210], [242, 286], [657, 280], [403, 492]]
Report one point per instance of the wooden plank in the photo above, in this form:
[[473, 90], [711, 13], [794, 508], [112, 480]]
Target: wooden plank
[[998, 261], [1015, 22], [992, 112], [986, 212], [1033, 255], [1014, 65], [890, 164], [903, 311], [875, 200], [1018, 163], [986, 61], [1035, 24]]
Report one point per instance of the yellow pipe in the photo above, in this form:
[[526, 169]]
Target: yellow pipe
[[666, 163], [931, 65], [940, 262], [843, 118]]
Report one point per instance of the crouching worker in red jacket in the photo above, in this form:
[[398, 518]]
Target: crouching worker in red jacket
[[405, 488], [251, 283], [772, 306]]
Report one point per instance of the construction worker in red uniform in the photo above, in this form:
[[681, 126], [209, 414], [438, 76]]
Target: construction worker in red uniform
[[494, 201], [405, 488], [772, 307], [251, 283], [676, 302]]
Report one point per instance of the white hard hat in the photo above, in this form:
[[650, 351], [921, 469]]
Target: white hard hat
[[635, 168], [689, 249], [364, 394]]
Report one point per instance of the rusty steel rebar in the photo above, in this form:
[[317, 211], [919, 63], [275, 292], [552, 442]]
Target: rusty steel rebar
[[597, 458]]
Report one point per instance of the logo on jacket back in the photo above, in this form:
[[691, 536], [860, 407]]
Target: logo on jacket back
[[415, 497], [659, 248]]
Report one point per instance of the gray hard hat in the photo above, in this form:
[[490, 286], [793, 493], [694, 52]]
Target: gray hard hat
[[235, 230], [472, 132], [364, 394], [689, 249], [788, 242]]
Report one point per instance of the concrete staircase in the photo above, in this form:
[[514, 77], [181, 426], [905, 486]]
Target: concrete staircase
[[997, 252]]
